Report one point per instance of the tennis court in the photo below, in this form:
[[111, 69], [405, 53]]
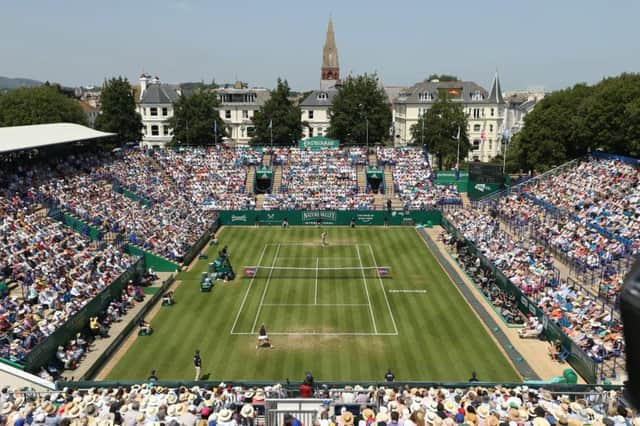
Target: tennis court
[[336, 289]]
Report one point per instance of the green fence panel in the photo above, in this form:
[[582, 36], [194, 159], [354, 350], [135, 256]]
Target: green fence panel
[[158, 263], [329, 217], [479, 190], [578, 359], [81, 227], [195, 249], [45, 351]]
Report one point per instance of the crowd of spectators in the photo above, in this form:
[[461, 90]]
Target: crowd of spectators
[[224, 405], [319, 180], [602, 192], [504, 303], [580, 245], [584, 318], [413, 179]]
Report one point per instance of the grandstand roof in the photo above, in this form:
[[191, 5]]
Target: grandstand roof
[[16, 138]]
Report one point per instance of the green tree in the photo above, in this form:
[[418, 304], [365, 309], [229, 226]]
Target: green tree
[[360, 107], [279, 117], [118, 110], [443, 77], [196, 119], [438, 128], [39, 105]]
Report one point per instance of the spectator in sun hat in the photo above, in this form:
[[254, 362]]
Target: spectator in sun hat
[[247, 415], [346, 419]]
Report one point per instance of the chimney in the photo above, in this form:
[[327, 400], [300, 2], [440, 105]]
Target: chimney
[[144, 80]]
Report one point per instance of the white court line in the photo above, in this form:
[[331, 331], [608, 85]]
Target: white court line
[[246, 293], [373, 318], [315, 304], [323, 257], [313, 333], [266, 286], [315, 298], [393, 320], [313, 245]]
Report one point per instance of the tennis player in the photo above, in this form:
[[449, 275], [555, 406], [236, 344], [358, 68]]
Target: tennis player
[[323, 238], [263, 338]]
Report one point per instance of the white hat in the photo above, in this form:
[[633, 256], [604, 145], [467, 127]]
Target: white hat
[[247, 411], [224, 415]]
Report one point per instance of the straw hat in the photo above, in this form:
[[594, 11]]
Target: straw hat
[[224, 415], [482, 411], [7, 407], [49, 409], [347, 418], [259, 396], [382, 417], [247, 411], [367, 413], [450, 405], [73, 412], [539, 421], [152, 411]]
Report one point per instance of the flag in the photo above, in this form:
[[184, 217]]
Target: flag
[[483, 135], [505, 135], [215, 126], [271, 124], [458, 135]]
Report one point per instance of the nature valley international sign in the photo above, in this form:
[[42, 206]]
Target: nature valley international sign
[[324, 216]]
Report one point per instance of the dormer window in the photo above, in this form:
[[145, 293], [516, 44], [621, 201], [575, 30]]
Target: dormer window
[[322, 96], [477, 96], [425, 96]]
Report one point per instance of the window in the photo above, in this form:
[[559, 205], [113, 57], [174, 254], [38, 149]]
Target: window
[[490, 144], [322, 96], [476, 127], [153, 112], [310, 114], [154, 130], [477, 96], [165, 111], [491, 126], [227, 114], [425, 96], [165, 130], [245, 113], [476, 113], [492, 112], [476, 144], [310, 132]]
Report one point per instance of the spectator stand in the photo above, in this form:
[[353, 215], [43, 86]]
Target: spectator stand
[[578, 359]]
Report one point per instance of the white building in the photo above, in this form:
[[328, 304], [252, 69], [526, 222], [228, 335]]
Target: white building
[[485, 112], [238, 104], [156, 108], [519, 105]]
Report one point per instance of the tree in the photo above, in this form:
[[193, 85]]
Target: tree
[[572, 122], [196, 119], [443, 77], [277, 116], [438, 128], [360, 109], [118, 111], [39, 105]]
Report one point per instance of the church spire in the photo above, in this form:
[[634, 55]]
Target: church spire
[[330, 74], [495, 95]]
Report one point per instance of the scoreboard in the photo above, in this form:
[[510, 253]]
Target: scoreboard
[[485, 173]]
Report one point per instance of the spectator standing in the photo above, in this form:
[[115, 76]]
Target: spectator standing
[[197, 363]]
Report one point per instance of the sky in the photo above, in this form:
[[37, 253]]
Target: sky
[[548, 44]]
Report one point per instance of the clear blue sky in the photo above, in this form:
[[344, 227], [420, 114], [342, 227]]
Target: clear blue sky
[[550, 43]]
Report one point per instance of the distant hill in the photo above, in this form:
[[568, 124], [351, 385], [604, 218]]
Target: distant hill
[[7, 83]]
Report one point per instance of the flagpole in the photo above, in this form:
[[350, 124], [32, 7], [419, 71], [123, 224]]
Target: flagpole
[[271, 132], [458, 153]]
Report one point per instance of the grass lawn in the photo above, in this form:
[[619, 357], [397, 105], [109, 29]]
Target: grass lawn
[[343, 326]]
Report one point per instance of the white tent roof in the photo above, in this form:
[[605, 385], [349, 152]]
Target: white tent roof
[[27, 137]]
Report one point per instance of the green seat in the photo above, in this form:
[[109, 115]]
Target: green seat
[[206, 286], [429, 224]]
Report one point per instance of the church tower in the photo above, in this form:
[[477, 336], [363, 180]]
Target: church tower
[[330, 74]]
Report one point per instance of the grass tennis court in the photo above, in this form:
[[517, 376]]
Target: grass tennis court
[[327, 310]]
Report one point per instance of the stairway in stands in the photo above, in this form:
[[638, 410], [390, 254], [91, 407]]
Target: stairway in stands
[[388, 181], [249, 182], [259, 201], [277, 179], [362, 178], [266, 160], [373, 160]]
